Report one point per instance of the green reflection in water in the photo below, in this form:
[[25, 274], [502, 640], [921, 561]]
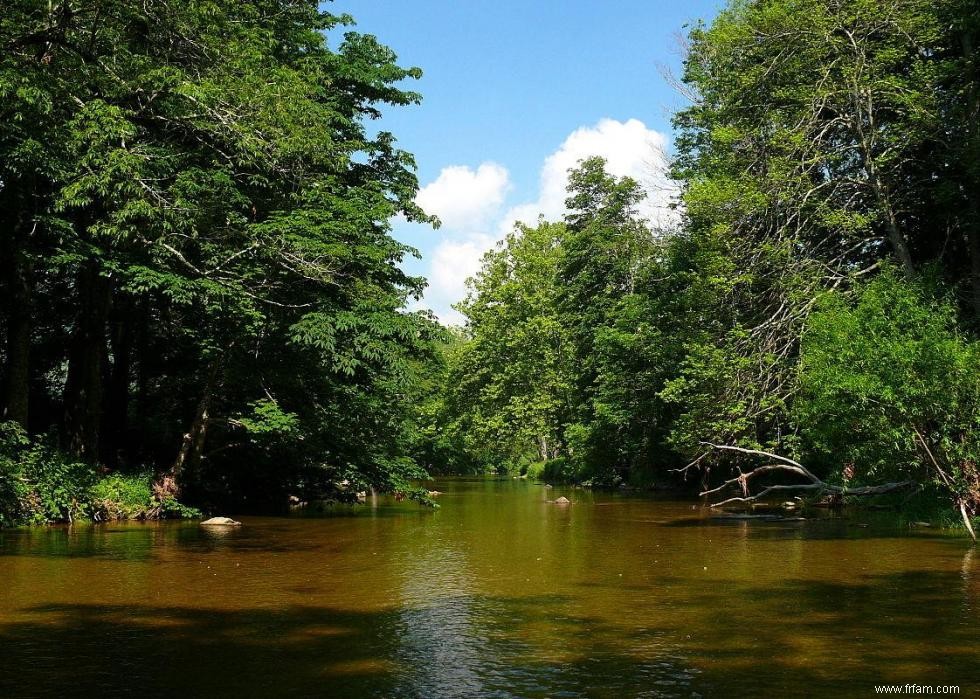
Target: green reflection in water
[[498, 593]]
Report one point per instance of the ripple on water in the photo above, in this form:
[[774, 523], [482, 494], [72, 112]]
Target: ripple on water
[[496, 594]]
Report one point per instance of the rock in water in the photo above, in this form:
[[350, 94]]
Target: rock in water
[[563, 501], [220, 522]]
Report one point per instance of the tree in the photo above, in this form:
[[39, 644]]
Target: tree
[[570, 339], [817, 152], [508, 385], [806, 163], [890, 389], [198, 181], [609, 263]]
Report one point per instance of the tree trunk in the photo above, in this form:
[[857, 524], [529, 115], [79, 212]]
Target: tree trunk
[[115, 420], [543, 447], [895, 235], [973, 241], [192, 445], [143, 370], [971, 150], [16, 375], [878, 185], [814, 484], [87, 356]]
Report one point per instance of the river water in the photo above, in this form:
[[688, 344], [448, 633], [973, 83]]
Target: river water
[[496, 594]]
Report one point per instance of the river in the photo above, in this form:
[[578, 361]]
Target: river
[[496, 594]]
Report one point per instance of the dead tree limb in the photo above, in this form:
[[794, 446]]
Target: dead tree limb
[[949, 484], [787, 465]]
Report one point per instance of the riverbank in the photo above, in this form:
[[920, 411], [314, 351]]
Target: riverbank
[[39, 484], [922, 505]]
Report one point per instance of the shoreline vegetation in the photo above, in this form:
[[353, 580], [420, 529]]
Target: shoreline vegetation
[[39, 485], [203, 302]]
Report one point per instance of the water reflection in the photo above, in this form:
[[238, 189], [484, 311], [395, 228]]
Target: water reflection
[[496, 594]]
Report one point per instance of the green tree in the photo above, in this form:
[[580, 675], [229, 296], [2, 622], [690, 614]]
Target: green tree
[[508, 385], [193, 195], [608, 269], [808, 158], [890, 389]]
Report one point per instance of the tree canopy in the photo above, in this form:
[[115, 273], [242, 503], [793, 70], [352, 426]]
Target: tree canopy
[[817, 294], [197, 255]]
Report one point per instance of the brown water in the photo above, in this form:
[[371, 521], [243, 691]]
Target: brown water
[[496, 594]]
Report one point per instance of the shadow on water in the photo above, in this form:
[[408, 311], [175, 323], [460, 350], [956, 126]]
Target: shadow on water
[[820, 638], [742, 640], [99, 650], [106, 650]]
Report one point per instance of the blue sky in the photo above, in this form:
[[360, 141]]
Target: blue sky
[[515, 92]]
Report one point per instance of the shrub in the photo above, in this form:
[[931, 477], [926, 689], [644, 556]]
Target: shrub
[[119, 496], [890, 390], [40, 484]]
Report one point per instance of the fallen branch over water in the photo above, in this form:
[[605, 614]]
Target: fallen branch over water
[[787, 465]]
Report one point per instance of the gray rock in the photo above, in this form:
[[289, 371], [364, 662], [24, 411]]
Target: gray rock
[[563, 501]]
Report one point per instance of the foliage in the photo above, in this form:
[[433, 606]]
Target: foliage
[[133, 496], [564, 358], [40, 484], [507, 384], [813, 150], [196, 241], [611, 312], [888, 384]]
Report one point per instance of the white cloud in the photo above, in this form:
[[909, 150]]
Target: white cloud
[[630, 150], [466, 199], [469, 201], [453, 262]]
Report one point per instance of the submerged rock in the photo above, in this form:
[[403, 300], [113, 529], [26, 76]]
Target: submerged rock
[[563, 501], [220, 522]]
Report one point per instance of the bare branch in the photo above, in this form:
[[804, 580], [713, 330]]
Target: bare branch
[[816, 485], [756, 452]]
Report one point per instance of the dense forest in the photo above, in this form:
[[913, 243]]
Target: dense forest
[[201, 292], [202, 299]]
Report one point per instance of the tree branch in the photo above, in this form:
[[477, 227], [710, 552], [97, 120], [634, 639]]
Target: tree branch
[[816, 485]]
